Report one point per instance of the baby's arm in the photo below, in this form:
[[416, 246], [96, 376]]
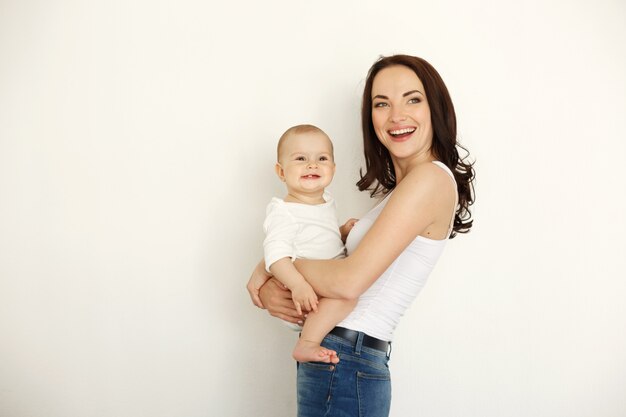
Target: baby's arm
[[301, 292], [345, 229]]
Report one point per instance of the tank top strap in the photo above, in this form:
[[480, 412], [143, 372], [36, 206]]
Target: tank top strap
[[456, 199]]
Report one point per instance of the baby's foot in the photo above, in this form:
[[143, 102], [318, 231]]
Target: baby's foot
[[307, 351]]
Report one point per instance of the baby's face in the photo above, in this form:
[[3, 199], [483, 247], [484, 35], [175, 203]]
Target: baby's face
[[306, 163]]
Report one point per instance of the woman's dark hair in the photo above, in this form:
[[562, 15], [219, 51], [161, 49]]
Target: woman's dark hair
[[380, 176]]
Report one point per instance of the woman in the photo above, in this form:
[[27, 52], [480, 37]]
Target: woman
[[411, 157]]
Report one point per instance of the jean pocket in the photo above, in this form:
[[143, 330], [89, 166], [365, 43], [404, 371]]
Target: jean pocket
[[374, 392], [313, 387], [317, 366]]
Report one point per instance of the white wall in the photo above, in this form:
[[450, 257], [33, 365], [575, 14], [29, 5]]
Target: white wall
[[136, 150]]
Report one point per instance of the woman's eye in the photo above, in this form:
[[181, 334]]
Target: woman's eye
[[415, 100], [380, 104]]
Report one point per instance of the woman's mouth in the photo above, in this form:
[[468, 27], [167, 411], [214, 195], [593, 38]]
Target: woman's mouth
[[401, 134]]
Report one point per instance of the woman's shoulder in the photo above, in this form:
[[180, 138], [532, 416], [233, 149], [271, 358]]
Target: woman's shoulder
[[429, 175], [425, 187]]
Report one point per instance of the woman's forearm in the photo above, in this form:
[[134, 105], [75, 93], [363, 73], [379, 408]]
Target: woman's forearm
[[333, 278]]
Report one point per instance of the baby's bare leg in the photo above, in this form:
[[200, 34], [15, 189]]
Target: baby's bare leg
[[330, 311]]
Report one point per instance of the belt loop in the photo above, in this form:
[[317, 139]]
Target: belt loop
[[359, 343], [389, 351]]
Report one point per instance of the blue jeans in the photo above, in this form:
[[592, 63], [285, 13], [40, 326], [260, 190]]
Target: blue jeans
[[358, 386]]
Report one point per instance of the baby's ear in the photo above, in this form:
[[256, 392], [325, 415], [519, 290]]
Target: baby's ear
[[280, 171]]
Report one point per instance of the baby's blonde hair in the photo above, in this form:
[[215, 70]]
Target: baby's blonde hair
[[298, 130]]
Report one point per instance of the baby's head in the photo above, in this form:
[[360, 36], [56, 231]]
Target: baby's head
[[305, 160]]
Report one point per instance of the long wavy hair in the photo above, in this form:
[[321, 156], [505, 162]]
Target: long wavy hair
[[380, 176]]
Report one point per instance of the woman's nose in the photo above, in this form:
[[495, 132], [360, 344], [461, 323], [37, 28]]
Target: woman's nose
[[397, 114]]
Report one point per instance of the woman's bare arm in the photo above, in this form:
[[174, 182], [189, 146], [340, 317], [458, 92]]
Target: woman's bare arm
[[425, 196]]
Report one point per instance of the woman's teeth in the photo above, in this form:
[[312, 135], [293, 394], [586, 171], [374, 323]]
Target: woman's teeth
[[401, 131]]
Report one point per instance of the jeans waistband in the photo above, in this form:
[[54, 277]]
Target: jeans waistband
[[368, 341]]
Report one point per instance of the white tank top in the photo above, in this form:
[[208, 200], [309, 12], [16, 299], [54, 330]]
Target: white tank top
[[380, 307]]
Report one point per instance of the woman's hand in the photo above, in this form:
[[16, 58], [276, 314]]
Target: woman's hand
[[257, 279], [277, 299]]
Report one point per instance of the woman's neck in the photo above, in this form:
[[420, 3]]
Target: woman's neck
[[403, 166]]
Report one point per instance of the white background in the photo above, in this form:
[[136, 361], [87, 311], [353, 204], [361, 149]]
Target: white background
[[137, 146]]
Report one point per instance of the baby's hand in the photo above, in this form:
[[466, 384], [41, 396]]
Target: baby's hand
[[304, 297], [345, 229]]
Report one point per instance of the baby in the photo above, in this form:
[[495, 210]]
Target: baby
[[304, 225]]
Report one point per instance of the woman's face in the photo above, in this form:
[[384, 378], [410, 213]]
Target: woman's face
[[400, 113]]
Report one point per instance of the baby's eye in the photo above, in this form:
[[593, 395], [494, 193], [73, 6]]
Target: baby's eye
[[300, 158], [323, 158]]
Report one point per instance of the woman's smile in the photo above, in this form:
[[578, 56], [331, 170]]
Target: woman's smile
[[401, 134]]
